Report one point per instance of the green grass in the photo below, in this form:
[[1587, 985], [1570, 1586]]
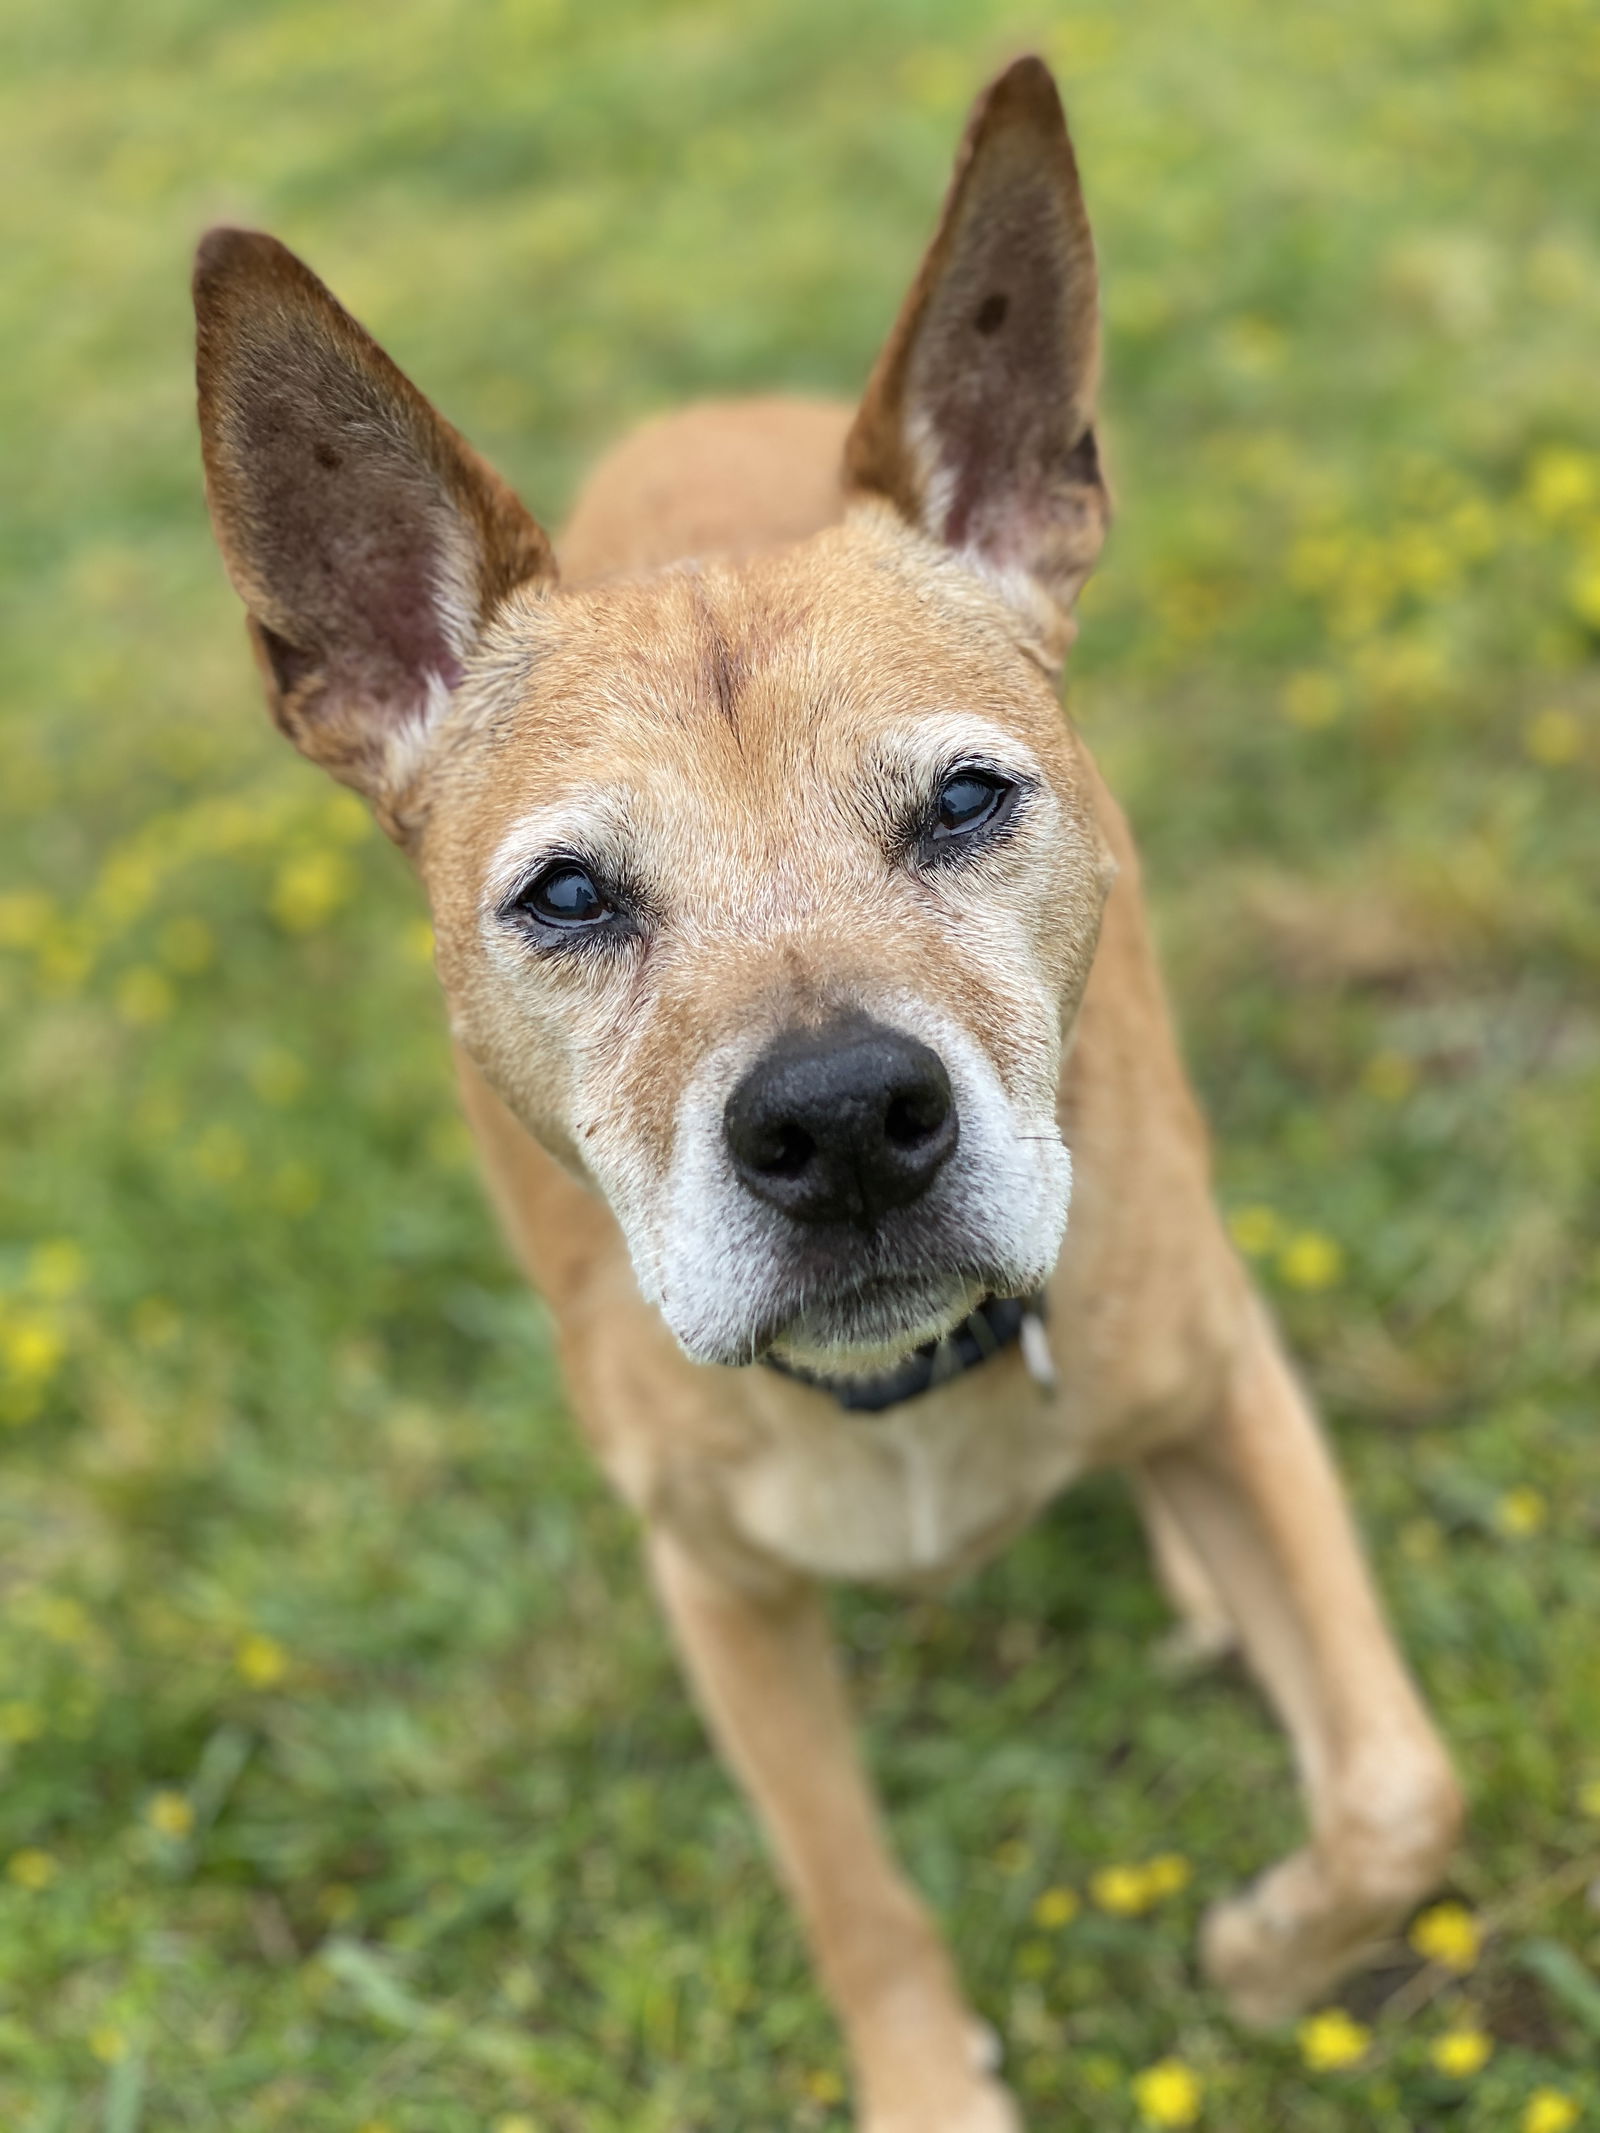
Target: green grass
[[347, 1782]]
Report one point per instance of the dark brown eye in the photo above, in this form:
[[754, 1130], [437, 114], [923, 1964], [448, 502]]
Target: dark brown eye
[[566, 895], [970, 801]]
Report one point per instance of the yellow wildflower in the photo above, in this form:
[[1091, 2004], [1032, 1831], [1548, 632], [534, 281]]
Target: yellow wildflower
[[1035, 1959], [20, 1722], [1448, 1934], [108, 2043], [1462, 2052], [1333, 2040], [822, 2085], [1561, 482], [1521, 1511], [1168, 2094], [1254, 1229], [1589, 1797], [32, 1347], [1553, 737], [1311, 1261], [1124, 1891], [1055, 1908], [419, 941], [1548, 2111], [144, 996], [262, 1660], [32, 1869], [170, 1815], [1168, 1874], [310, 888], [295, 1188]]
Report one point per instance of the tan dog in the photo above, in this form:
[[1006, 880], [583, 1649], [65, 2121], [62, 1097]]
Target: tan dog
[[791, 942]]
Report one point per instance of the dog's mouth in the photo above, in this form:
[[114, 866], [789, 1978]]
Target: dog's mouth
[[854, 1328]]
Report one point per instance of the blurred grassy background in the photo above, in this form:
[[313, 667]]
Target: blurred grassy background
[[346, 1780]]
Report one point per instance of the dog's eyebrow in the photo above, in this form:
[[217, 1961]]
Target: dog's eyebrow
[[594, 824]]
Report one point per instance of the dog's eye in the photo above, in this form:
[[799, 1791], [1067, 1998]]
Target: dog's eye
[[566, 894], [971, 800]]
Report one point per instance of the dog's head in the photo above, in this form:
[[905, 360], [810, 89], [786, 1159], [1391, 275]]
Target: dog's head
[[764, 893]]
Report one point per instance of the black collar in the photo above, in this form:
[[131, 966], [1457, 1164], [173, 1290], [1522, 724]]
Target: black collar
[[1002, 1323]]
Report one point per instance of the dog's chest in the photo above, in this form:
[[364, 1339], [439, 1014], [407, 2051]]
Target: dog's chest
[[911, 1497]]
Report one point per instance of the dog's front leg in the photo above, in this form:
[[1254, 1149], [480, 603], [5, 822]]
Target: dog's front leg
[[764, 1674], [1257, 1497]]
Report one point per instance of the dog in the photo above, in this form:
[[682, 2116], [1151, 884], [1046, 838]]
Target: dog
[[800, 982]]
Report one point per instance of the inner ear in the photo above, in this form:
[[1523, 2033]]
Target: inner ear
[[977, 422], [368, 541]]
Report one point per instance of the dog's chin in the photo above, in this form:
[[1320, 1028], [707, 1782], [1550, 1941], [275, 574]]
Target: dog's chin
[[874, 1327]]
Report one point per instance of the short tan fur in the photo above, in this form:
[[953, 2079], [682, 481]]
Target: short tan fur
[[709, 803]]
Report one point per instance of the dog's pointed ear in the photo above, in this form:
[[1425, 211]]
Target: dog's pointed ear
[[368, 541], [977, 424]]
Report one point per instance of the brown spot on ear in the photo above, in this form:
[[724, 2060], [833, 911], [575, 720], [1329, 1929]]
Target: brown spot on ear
[[972, 422], [366, 538]]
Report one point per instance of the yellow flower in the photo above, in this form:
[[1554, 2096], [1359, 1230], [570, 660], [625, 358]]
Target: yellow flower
[[32, 1348], [1389, 1076], [1168, 2094], [32, 1869], [1553, 737], [1520, 1512], [1332, 2040], [1311, 700], [1561, 482], [1124, 1891], [278, 1077], [295, 1188], [108, 2044], [1589, 1797], [262, 1660], [1254, 1229], [309, 889], [20, 1722], [822, 2085], [221, 1155], [1168, 1874], [1462, 2052], [1448, 1934], [170, 1815], [1311, 1261], [144, 996], [1548, 2111], [419, 941], [1055, 1908]]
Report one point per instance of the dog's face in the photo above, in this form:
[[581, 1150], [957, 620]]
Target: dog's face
[[764, 895]]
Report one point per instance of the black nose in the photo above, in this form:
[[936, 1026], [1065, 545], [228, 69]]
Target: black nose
[[842, 1123]]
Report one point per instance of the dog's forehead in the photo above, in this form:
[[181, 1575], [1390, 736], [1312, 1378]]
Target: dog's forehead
[[740, 681]]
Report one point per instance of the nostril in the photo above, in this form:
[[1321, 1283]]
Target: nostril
[[915, 1116], [784, 1152]]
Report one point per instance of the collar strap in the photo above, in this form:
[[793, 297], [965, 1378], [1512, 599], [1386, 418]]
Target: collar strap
[[1003, 1322]]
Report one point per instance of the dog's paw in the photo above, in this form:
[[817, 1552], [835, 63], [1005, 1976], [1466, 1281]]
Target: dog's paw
[[988, 2108], [1271, 1955]]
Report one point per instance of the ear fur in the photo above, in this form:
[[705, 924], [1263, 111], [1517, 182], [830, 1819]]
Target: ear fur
[[977, 421], [367, 539]]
